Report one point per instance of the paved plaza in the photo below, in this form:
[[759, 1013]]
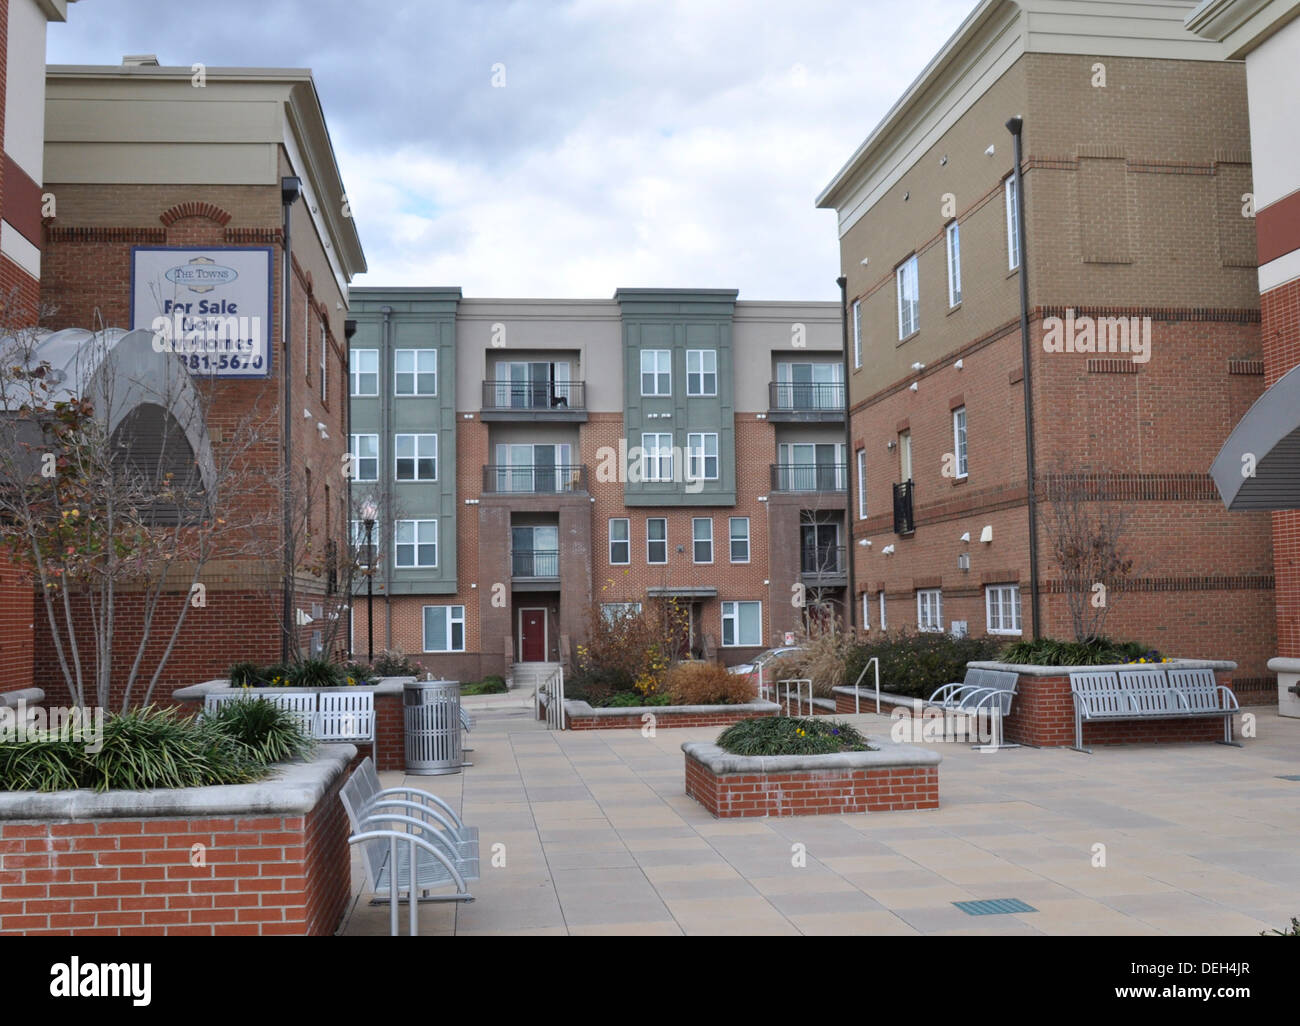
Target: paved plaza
[[599, 838]]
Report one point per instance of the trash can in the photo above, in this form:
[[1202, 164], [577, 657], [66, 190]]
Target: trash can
[[431, 718]]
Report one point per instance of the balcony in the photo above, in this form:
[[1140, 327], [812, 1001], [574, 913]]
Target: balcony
[[805, 402], [903, 519], [535, 564], [809, 477], [824, 565], [535, 479], [558, 401]]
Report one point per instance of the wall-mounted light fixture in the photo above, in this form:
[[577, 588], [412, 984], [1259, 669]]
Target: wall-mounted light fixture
[[965, 537], [959, 364], [986, 535]]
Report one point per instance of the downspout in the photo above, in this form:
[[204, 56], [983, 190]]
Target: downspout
[[1015, 126], [349, 329], [851, 599], [386, 446], [290, 189]]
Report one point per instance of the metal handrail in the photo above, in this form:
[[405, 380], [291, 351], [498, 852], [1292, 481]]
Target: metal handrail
[[857, 695]]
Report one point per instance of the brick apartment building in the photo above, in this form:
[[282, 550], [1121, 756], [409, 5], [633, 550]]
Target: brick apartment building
[[1266, 36], [490, 435], [154, 170], [1136, 158]]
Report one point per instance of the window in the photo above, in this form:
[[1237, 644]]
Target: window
[[656, 540], [365, 457], [702, 539], [324, 370], [1013, 224], [866, 611], [742, 624], [862, 484], [656, 372], [701, 372], [416, 457], [857, 333], [535, 551], [884, 623], [535, 468], [929, 610], [739, 536], [959, 440], [620, 541], [1002, 608], [365, 556], [657, 457], [415, 372], [702, 456], [612, 612], [417, 543], [444, 628], [905, 455], [953, 233], [909, 300], [363, 366], [809, 386], [534, 386]]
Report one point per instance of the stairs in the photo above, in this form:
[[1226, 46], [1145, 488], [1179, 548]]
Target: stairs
[[530, 676]]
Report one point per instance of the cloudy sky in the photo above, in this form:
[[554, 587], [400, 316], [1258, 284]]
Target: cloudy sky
[[643, 143]]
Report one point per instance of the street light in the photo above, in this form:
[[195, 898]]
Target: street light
[[368, 513]]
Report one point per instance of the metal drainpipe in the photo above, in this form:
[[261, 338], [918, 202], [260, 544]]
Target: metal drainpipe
[[349, 329], [387, 442], [1015, 126], [290, 189], [851, 600]]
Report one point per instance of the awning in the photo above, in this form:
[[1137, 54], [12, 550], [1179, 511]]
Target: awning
[[682, 593], [1259, 465]]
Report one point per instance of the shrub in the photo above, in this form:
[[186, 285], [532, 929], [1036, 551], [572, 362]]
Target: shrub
[[1093, 652], [791, 735], [821, 658], [917, 665], [629, 652], [245, 675], [634, 700], [359, 673], [489, 685], [271, 734], [316, 673], [1293, 932], [699, 683], [394, 663]]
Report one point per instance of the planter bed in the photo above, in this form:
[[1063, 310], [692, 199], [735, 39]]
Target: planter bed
[[582, 716], [845, 704], [275, 857], [891, 779]]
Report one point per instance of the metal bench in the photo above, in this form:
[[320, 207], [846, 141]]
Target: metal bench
[[403, 854], [302, 706], [991, 691], [329, 716], [1149, 693]]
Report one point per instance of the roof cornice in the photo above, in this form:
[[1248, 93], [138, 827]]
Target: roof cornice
[[1241, 25]]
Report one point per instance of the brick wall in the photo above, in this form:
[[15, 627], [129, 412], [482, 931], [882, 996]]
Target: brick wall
[[16, 617], [264, 875], [1280, 312], [665, 717]]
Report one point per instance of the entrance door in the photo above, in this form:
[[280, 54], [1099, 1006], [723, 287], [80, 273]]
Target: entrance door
[[532, 635]]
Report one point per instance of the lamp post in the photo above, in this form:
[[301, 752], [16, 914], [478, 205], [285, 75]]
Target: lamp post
[[368, 513]]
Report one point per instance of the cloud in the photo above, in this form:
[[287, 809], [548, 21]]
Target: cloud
[[646, 143]]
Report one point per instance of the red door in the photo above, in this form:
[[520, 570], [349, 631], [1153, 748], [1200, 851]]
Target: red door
[[532, 630]]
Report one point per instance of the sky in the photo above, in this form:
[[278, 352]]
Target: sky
[[565, 149]]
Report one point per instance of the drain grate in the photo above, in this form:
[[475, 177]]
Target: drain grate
[[994, 907], [1294, 776]]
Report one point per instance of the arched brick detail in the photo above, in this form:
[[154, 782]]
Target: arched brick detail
[[209, 210]]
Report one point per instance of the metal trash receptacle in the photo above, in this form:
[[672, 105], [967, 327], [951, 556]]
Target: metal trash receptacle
[[431, 721]]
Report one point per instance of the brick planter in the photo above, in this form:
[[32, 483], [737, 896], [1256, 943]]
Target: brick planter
[[582, 716], [390, 729], [274, 857], [895, 778]]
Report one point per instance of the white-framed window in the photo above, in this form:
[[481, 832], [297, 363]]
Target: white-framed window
[[702, 539], [365, 457], [415, 457], [742, 624], [656, 372], [415, 372], [738, 533], [857, 333], [444, 628], [366, 557], [862, 484], [612, 612], [656, 540], [324, 368], [657, 456], [959, 440], [701, 372], [866, 611], [1002, 608], [416, 543], [1013, 234], [702, 455], [363, 368], [884, 623], [620, 541], [953, 234], [909, 297], [929, 610]]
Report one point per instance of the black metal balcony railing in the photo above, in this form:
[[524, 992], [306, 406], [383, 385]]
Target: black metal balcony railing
[[903, 522], [537, 479], [806, 396], [809, 477], [822, 559], [535, 563], [536, 395]]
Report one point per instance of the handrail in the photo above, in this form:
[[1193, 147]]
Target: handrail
[[857, 696]]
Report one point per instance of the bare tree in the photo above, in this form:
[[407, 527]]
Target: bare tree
[[1087, 546]]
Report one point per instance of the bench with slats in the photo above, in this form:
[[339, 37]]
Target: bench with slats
[[302, 706], [1149, 692], [988, 691], [329, 716]]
